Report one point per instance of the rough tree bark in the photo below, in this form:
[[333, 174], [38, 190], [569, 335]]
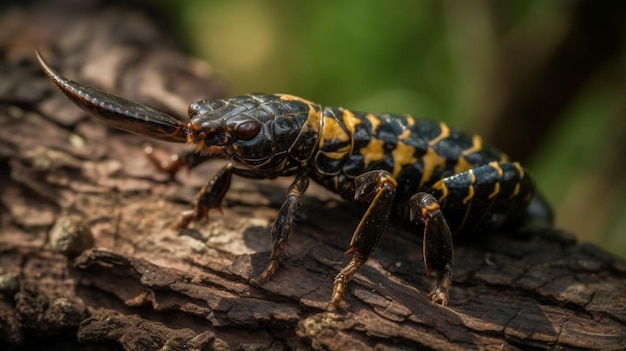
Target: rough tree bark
[[88, 259]]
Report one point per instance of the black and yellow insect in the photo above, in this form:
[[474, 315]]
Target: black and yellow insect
[[439, 178]]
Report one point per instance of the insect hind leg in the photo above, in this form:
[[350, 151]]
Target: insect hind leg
[[437, 244], [378, 188], [477, 200]]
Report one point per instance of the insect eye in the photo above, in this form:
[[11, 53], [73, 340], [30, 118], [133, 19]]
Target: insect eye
[[248, 130]]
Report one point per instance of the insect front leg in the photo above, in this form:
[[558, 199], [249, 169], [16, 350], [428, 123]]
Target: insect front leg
[[437, 244], [378, 188], [186, 158], [209, 196], [283, 225]]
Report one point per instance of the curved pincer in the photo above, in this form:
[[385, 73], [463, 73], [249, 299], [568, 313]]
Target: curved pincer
[[119, 112]]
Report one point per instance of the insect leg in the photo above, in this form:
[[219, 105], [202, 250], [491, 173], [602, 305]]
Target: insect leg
[[437, 243], [209, 196], [378, 188], [480, 199], [186, 158], [283, 225]]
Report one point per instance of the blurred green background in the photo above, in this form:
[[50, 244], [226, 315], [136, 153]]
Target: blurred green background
[[542, 80]]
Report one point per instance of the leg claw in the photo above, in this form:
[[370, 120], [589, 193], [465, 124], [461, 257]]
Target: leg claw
[[438, 295]]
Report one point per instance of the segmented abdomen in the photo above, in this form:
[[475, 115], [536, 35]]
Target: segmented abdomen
[[485, 197], [423, 156], [417, 152]]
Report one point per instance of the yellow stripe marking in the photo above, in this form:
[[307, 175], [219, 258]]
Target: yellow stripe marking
[[470, 195], [334, 155], [496, 166], [441, 186], [314, 121], [405, 134], [409, 120], [445, 132], [432, 161], [332, 131], [520, 169], [477, 145], [402, 155], [288, 97], [373, 152], [461, 165], [470, 189], [515, 191], [496, 190], [349, 120], [374, 121]]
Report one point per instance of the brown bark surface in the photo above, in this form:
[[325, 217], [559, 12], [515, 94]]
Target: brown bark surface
[[88, 260]]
